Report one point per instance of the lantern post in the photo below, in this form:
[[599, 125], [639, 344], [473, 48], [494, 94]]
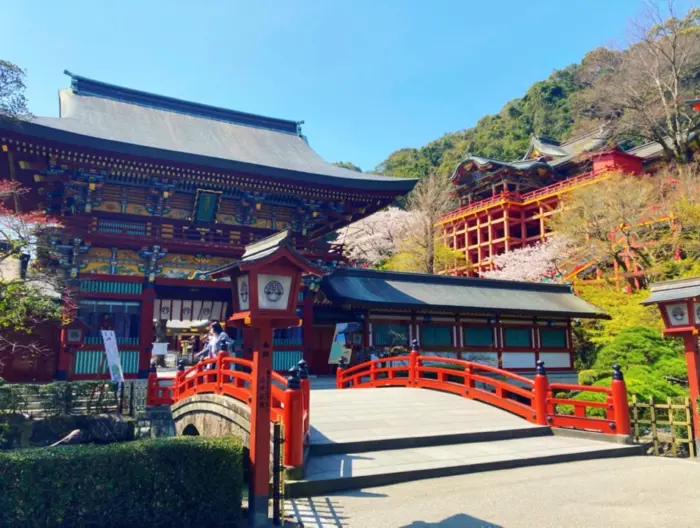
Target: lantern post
[[679, 303], [265, 285]]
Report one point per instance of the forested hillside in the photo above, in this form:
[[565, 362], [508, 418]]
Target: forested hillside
[[639, 93], [545, 110]]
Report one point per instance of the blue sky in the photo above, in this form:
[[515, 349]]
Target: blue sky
[[367, 76]]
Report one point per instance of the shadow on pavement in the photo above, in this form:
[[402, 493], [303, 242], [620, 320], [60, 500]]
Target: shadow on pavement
[[461, 520], [316, 512]]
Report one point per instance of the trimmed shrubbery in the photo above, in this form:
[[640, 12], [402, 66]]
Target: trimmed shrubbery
[[170, 482], [53, 399]]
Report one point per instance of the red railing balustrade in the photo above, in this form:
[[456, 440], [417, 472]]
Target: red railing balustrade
[[231, 376], [538, 401]]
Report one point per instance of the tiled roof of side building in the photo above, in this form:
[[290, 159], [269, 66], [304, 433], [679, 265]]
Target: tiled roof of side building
[[458, 294], [481, 162], [98, 115]]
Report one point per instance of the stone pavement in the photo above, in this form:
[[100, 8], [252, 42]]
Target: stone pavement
[[639, 492]]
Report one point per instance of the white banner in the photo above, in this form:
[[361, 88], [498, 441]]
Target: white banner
[[112, 352]]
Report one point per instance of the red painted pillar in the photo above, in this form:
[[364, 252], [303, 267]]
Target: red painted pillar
[[248, 343], [692, 360], [306, 392], [620, 405], [147, 302], [413, 365], [293, 423], [539, 400], [260, 427], [339, 373]]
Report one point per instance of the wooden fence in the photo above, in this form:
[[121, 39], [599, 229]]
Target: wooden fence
[[665, 427]]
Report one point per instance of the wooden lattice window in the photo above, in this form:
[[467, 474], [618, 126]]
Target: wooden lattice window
[[553, 337], [390, 334], [434, 335], [478, 336], [206, 206]]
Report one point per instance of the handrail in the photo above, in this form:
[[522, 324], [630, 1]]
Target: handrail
[[525, 197], [530, 399], [233, 377]]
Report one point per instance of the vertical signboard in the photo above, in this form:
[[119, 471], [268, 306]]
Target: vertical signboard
[[112, 352]]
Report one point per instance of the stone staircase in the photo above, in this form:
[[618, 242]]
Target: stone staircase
[[356, 465], [362, 438]]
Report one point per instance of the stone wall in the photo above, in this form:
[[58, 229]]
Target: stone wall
[[212, 415]]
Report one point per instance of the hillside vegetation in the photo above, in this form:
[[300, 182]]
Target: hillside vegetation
[[544, 110], [638, 93]]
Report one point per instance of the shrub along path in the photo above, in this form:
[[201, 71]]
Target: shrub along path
[[155, 483]]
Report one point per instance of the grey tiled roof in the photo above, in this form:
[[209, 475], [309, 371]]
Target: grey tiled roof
[[114, 118], [523, 165], [457, 294], [674, 290]]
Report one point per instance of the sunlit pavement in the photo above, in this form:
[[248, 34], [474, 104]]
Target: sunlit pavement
[[637, 492]]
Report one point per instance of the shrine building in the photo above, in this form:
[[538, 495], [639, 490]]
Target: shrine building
[[155, 193], [152, 193], [505, 205]]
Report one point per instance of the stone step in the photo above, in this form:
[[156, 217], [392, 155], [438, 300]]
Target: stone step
[[320, 448], [339, 472]]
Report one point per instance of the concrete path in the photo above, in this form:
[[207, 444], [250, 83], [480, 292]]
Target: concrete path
[[352, 415], [639, 492]]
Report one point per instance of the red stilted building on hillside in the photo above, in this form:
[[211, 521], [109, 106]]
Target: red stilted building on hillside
[[505, 205]]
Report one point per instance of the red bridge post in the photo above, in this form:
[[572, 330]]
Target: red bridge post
[[293, 422], [413, 364], [178, 379], [339, 373], [620, 404], [540, 388], [306, 391]]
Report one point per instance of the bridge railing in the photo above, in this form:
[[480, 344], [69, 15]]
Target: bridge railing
[[536, 400], [233, 377]]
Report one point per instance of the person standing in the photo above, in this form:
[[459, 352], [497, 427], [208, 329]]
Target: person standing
[[218, 341]]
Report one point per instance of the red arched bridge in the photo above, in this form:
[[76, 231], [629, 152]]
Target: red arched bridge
[[536, 400]]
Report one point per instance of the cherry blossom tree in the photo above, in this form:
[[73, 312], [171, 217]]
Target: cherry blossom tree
[[537, 263], [376, 238]]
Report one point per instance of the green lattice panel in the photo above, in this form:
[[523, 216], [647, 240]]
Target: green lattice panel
[[286, 359], [88, 361], [553, 337], [435, 335]]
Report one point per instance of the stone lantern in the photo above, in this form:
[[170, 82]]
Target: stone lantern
[[265, 286], [679, 302]]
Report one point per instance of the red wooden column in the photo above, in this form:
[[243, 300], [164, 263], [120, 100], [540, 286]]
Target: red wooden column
[[146, 339], [260, 426], [692, 358], [621, 410]]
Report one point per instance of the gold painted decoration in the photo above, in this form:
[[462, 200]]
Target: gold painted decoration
[[109, 206]]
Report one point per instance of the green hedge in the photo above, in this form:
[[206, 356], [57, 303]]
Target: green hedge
[[168, 482], [90, 397]]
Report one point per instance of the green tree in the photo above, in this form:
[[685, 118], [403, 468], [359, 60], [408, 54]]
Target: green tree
[[27, 300], [652, 365], [347, 165], [13, 102], [642, 91]]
